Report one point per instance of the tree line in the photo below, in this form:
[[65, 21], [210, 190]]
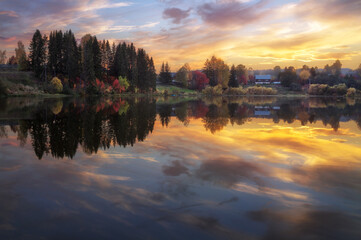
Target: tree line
[[216, 72], [94, 65]]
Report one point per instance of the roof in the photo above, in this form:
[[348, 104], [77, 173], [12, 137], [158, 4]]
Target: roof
[[263, 77]]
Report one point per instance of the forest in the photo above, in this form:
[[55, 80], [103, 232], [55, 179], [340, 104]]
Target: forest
[[90, 67]]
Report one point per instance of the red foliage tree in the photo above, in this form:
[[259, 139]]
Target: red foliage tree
[[200, 80]]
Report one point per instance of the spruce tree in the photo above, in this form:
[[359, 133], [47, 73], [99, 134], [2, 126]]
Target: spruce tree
[[37, 54], [88, 63], [97, 60]]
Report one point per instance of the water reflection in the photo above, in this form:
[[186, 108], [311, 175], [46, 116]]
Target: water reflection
[[58, 126], [234, 168]]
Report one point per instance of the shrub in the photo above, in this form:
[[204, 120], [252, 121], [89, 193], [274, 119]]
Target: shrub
[[323, 89], [235, 91], [123, 82], [317, 89], [55, 85], [340, 89], [258, 90], [213, 91], [351, 92]]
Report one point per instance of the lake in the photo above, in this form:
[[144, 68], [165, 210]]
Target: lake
[[176, 168]]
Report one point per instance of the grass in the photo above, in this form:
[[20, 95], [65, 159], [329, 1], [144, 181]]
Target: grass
[[175, 90], [16, 77]]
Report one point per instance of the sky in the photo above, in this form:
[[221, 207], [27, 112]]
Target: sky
[[256, 33]]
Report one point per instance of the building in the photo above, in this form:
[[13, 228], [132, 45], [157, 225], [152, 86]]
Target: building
[[263, 79]]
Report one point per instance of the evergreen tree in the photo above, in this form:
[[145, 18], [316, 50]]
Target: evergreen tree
[[142, 65], [88, 63], [233, 82], [55, 53], [165, 75], [97, 60], [132, 67], [37, 54], [109, 57], [71, 57], [151, 75]]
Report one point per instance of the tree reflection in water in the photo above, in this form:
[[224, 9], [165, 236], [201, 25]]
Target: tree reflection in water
[[59, 126]]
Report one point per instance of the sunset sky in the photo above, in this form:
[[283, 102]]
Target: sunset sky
[[257, 33]]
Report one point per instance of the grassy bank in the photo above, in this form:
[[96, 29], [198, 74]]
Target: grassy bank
[[16, 83]]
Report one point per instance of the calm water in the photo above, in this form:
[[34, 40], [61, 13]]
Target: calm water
[[248, 168]]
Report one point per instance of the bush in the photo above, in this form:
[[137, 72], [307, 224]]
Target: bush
[[340, 89], [351, 92], [317, 89], [258, 90], [55, 85], [123, 82], [235, 91], [323, 89], [213, 91]]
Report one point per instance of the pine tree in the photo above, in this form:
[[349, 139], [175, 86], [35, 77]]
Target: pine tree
[[88, 63], [97, 60], [142, 70], [132, 67], [37, 54], [168, 74], [165, 75], [151, 75], [71, 57]]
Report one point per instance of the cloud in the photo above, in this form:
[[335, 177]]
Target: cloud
[[229, 172], [232, 13], [9, 13], [176, 14], [332, 11], [337, 55], [175, 169]]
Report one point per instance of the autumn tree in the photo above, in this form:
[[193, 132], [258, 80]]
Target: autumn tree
[[184, 75], [20, 56], [12, 60], [37, 53], [304, 75], [242, 74], [199, 80], [336, 68], [2, 56], [217, 72]]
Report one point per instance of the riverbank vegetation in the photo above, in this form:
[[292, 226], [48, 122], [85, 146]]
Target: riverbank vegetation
[[61, 64], [88, 67]]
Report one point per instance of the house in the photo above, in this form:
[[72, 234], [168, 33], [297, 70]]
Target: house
[[263, 79]]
